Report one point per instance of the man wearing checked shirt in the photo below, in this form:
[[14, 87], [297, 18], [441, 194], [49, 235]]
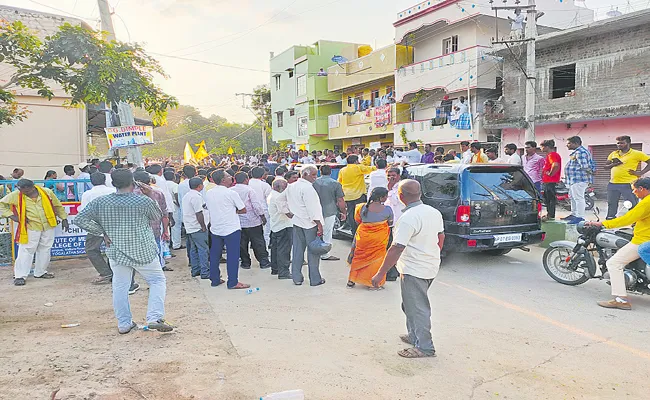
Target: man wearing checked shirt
[[124, 219], [579, 174]]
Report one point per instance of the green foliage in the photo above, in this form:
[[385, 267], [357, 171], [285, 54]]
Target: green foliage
[[261, 104], [90, 69]]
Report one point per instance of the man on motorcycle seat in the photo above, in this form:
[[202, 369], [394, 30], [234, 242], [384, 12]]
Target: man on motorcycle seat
[[630, 252]]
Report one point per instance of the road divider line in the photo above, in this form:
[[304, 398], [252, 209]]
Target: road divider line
[[550, 321]]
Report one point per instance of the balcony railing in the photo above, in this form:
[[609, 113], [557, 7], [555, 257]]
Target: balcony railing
[[373, 121], [454, 72], [433, 130]]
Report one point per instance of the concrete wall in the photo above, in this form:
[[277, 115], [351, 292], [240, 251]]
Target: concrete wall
[[285, 98], [611, 71], [51, 137]]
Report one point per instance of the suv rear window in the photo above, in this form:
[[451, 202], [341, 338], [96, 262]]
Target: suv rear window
[[500, 185], [440, 185]]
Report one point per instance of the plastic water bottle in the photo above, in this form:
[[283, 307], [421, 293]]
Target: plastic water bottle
[[167, 254], [251, 290], [297, 394]]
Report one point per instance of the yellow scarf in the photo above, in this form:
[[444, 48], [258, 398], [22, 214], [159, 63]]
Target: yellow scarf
[[21, 237]]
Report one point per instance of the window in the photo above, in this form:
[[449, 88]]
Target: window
[[374, 95], [302, 126], [291, 74], [349, 101], [277, 82], [440, 185], [292, 112], [563, 81], [511, 184], [301, 86], [280, 118], [450, 45]]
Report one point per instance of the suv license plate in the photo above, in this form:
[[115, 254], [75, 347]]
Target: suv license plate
[[514, 237]]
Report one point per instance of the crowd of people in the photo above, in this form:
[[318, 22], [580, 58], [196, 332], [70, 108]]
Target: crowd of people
[[278, 205]]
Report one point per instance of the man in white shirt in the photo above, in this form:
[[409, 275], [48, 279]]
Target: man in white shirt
[[157, 172], [493, 156], [252, 223], [412, 156], [378, 178], [106, 167], [172, 185], [513, 157], [517, 25], [84, 167], [224, 205], [466, 156], [307, 221], [94, 243], [417, 242], [281, 230], [263, 190], [196, 219]]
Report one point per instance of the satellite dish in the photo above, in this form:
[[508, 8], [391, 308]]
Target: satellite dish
[[614, 13]]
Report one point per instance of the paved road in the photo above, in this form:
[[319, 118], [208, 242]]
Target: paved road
[[503, 330]]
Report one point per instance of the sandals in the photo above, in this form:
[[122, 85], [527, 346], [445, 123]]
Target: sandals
[[46, 275], [350, 284], [414, 352], [240, 285], [375, 289], [322, 282]]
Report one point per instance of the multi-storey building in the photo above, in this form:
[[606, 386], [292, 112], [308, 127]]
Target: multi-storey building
[[592, 81], [366, 89], [450, 41], [300, 100]]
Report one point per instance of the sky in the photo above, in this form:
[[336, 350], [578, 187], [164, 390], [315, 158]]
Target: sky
[[242, 33]]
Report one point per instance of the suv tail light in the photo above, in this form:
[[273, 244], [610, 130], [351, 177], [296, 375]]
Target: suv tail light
[[463, 214], [539, 209]]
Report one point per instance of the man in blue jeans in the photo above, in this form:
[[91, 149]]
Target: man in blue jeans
[[196, 218], [224, 205], [124, 220]]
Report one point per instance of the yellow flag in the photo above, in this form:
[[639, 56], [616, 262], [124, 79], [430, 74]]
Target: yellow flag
[[230, 150], [188, 154], [201, 153]]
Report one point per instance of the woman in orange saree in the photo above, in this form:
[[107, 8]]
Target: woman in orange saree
[[371, 240]]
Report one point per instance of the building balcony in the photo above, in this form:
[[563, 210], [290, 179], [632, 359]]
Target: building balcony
[[380, 64], [465, 69], [425, 131], [363, 123]]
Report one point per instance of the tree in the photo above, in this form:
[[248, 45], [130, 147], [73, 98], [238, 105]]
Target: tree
[[89, 68], [261, 104]]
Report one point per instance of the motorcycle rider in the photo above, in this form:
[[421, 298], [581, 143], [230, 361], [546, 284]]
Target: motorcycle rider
[[639, 215]]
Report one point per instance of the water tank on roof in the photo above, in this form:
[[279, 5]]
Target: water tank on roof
[[364, 50]]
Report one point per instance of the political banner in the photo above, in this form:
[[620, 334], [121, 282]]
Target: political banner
[[383, 115], [126, 136]]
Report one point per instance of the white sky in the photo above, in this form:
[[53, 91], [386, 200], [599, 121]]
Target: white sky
[[242, 33]]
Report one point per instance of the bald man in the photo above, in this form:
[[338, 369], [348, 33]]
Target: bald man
[[418, 262]]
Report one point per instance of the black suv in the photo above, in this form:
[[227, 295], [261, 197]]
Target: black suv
[[486, 207]]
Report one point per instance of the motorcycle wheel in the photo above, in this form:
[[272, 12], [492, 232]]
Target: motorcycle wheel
[[589, 203], [556, 266]]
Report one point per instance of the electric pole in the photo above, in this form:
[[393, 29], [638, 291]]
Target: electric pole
[[530, 71], [262, 120], [531, 34], [122, 109]]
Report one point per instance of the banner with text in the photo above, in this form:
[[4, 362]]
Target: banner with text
[[125, 136]]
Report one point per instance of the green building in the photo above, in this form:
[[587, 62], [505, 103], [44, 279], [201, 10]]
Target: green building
[[300, 101]]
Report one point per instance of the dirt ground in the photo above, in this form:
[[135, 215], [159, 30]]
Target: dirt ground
[[92, 361]]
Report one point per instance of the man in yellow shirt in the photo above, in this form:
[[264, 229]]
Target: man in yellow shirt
[[354, 187], [366, 159], [38, 226], [623, 164], [478, 156], [639, 215]]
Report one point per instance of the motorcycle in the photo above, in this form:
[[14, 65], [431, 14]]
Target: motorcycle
[[575, 263], [563, 199]]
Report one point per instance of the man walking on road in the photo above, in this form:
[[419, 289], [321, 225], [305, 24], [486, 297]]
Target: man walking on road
[[281, 230], [307, 221], [579, 173], [533, 164], [94, 242], [196, 219], [417, 242], [35, 209], [224, 206], [352, 179], [124, 219], [252, 223], [551, 174], [330, 193], [624, 164]]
